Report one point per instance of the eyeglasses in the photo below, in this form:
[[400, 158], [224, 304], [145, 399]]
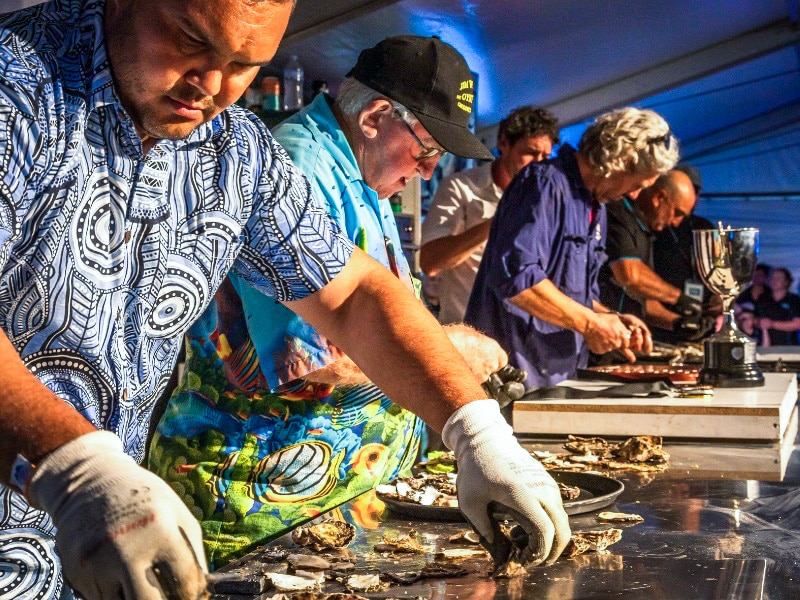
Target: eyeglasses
[[665, 139], [427, 151]]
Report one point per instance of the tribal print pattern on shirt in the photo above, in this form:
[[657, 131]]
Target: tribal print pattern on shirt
[[107, 255]]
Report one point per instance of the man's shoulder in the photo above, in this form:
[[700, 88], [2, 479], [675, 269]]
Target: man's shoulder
[[794, 302], [549, 174], [39, 33], [310, 155], [478, 174], [242, 123], [38, 46]]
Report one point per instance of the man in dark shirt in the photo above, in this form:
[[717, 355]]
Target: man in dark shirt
[[628, 282], [673, 258], [780, 314]]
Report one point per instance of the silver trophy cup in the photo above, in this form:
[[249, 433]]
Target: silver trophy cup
[[726, 259]]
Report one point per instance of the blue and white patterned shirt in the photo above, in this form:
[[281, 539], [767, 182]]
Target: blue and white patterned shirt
[[108, 255]]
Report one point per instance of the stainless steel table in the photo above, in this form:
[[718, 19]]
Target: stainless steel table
[[711, 530]]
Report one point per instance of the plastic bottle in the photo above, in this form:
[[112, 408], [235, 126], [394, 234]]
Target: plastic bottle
[[271, 90], [292, 85]]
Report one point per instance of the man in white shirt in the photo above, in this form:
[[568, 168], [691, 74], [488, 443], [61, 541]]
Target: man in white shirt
[[456, 227]]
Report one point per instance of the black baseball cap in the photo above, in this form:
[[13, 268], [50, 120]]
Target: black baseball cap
[[432, 80]]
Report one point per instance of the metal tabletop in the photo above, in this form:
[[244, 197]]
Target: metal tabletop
[[722, 522]]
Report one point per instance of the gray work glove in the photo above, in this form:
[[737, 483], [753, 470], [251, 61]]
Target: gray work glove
[[692, 329], [122, 532], [495, 474], [506, 385], [688, 307]]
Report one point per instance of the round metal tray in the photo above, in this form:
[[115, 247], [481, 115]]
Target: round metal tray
[[597, 491]]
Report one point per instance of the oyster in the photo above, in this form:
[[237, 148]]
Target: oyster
[[442, 569], [642, 448], [591, 541], [642, 454], [291, 583], [238, 581], [569, 492], [327, 534], [582, 445], [366, 583], [459, 553], [404, 577], [401, 543], [468, 536], [317, 596], [515, 544], [426, 489], [308, 562], [617, 517]]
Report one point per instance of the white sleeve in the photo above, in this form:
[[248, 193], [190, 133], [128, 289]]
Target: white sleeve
[[447, 213]]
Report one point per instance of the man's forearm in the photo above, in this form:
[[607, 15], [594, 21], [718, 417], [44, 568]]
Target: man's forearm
[[33, 420], [642, 283], [450, 251], [658, 315], [787, 326], [373, 318], [546, 302]]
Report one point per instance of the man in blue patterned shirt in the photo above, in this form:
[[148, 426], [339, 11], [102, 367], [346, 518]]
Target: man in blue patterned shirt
[[129, 187]]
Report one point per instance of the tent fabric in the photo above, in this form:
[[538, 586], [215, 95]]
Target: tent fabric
[[776, 219], [737, 120]]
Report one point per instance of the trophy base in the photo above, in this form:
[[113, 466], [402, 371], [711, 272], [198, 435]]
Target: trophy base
[[730, 362], [724, 378]]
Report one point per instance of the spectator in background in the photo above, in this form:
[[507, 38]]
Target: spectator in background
[[758, 293], [745, 317], [457, 225], [780, 314]]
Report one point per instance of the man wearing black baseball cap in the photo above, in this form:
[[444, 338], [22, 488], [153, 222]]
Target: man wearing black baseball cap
[[407, 101], [432, 80]]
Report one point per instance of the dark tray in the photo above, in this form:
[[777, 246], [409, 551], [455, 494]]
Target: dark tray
[[597, 491]]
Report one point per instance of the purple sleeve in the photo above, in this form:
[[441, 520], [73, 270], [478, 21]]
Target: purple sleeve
[[525, 228]]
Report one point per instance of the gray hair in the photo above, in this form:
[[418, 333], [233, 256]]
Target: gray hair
[[629, 140], [353, 96]]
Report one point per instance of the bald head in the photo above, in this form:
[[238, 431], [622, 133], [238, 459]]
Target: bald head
[[668, 201]]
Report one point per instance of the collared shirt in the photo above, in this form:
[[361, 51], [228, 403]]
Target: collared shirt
[[245, 411], [628, 238], [318, 147], [462, 201], [547, 226], [107, 255], [785, 309]]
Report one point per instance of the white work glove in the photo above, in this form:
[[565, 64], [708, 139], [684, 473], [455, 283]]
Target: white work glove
[[496, 475], [122, 531]]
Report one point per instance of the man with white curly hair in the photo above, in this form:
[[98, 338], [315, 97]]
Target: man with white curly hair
[[537, 291]]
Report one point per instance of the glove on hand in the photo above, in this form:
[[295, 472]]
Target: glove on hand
[[686, 306], [506, 385], [692, 329], [495, 474], [122, 531]]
